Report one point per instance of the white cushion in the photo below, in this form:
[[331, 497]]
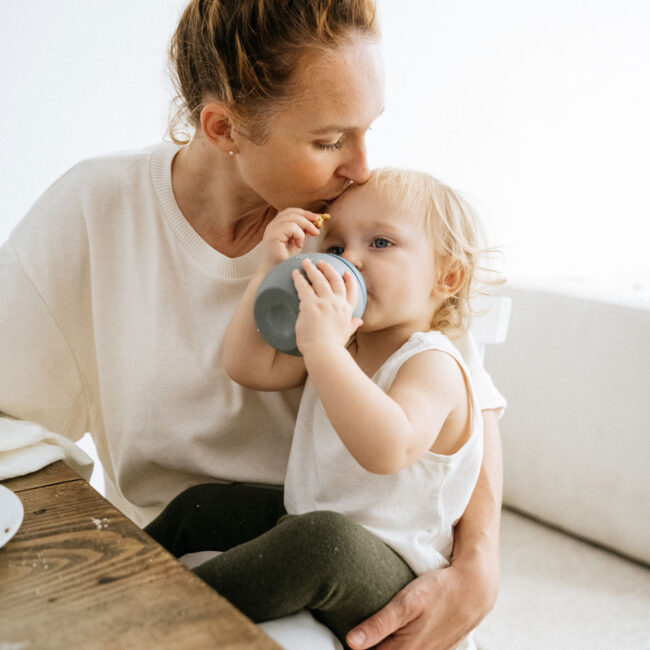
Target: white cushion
[[301, 631], [575, 434]]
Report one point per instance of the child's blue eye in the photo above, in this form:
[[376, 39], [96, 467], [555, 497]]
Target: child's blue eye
[[335, 250], [380, 242]]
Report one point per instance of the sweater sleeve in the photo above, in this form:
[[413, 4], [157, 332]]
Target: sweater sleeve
[[486, 392], [39, 378]]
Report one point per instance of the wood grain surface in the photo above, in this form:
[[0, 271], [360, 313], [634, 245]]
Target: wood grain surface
[[79, 574]]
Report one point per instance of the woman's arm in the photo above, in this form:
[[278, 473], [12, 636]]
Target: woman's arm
[[439, 608], [247, 358]]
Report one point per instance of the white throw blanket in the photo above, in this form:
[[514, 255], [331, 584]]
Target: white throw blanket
[[30, 447]]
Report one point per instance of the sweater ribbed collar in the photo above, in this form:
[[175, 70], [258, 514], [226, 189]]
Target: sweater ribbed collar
[[211, 260]]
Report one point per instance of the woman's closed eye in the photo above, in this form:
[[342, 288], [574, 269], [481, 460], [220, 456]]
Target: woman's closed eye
[[334, 146]]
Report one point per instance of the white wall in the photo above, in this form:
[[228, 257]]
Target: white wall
[[78, 78], [537, 110]]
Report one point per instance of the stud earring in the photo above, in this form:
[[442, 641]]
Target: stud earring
[[231, 153]]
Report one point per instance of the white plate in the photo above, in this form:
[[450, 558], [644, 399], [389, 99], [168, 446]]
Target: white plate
[[11, 514]]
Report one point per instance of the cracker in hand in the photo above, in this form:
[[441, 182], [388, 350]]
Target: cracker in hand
[[321, 219]]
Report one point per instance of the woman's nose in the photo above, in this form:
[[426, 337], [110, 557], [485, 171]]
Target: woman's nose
[[355, 166]]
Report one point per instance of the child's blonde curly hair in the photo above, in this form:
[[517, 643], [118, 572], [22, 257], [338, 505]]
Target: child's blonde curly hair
[[455, 232]]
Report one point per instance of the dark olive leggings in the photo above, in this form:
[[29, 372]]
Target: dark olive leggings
[[277, 564]]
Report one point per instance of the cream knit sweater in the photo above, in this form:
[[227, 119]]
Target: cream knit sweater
[[112, 314]]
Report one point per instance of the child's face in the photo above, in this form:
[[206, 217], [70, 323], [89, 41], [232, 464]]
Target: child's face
[[392, 252]]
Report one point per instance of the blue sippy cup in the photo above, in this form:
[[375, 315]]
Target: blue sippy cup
[[277, 304]]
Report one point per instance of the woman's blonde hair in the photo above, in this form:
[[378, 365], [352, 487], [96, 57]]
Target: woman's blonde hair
[[455, 232], [244, 52]]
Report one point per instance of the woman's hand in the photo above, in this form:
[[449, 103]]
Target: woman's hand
[[326, 307], [285, 236], [434, 612]]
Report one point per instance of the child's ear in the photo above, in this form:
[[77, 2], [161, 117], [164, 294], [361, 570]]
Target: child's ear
[[451, 279]]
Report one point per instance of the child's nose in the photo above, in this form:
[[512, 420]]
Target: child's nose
[[354, 258]]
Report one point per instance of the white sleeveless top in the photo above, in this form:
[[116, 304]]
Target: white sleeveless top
[[414, 510]]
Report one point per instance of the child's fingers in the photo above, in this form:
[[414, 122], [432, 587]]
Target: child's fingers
[[295, 232], [318, 281], [351, 289], [304, 225], [310, 227], [285, 222], [332, 276], [310, 222], [321, 219], [303, 288]]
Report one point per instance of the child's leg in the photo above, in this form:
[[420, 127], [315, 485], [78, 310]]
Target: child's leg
[[216, 517], [320, 560]]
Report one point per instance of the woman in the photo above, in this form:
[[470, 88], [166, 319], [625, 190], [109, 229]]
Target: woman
[[119, 283]]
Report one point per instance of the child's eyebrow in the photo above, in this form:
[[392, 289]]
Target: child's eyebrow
[[377, 227]]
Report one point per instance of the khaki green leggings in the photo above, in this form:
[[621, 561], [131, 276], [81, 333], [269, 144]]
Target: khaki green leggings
[[276, 564]]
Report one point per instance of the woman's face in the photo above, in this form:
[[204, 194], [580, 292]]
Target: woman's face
[[316, 141]]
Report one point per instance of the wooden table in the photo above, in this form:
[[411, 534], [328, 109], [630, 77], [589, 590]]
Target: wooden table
[[79, 574]]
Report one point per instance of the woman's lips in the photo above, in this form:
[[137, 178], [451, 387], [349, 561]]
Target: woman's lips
[[336, 196]]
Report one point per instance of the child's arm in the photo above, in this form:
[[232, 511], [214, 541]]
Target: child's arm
[[385, 432], [247, 358]]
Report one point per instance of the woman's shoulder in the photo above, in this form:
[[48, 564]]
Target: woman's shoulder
[[106, 173], [86, 191], [84, 210]]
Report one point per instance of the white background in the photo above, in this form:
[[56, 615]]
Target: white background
[[538, 111]]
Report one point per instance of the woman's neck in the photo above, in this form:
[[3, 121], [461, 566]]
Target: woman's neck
[[223, 211]]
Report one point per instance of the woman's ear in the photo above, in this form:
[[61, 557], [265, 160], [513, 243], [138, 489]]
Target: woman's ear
[[217, 126], [451, 279]]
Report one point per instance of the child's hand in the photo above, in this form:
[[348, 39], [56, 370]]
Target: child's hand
[[326, 307], [285, 235]]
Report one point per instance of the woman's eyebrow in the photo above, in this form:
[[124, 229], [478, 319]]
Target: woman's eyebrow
[[339, 128], [332, 128]]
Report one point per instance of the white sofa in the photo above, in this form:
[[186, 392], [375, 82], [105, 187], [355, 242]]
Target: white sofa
[[575, 541]]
